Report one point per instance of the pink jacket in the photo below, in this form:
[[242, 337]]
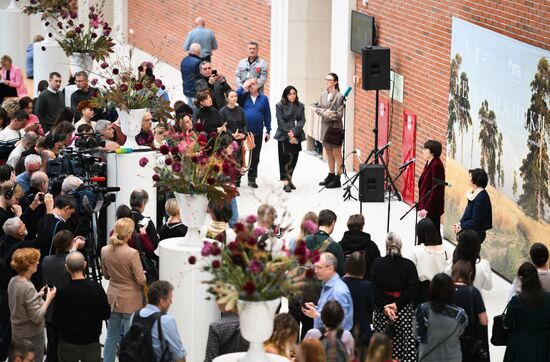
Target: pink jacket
[[16, 80]]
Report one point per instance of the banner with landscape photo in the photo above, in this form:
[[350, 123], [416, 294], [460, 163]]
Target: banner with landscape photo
[[499, 120]]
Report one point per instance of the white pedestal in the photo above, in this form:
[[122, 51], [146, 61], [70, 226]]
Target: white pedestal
[[191, 308], [123, 171], [69, 90], [14, 35], [236, 357], [53, 59], [36, 27]]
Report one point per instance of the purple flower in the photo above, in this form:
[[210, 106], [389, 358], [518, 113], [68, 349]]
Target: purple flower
[[106, 31], [206, 249], [94, 35], [168, 161], [192, 260], [216, 264], [115, 71], [164, 149], [156, 178], [176, 167], [104, 65], [251, 219], [255, 266], [123, 87], [143, 161], [77, 30], [249, 287], [110, 81]]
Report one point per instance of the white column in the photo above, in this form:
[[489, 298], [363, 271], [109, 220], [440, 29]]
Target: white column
[[83, 6], [14, 34], [120, 21], [343, 63], [53, 59], [279, 50]]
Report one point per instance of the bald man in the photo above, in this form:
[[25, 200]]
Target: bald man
[[190, 73], [205, 37], [80, 309]]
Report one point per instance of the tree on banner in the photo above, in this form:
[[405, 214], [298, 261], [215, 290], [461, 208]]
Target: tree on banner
[[459, 107], [491, 145], [534, 169]]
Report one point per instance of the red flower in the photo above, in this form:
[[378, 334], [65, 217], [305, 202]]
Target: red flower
[[314, 256], [168, 161], [216, 250], [143, 161], [310, 273], [158, 83], [94, 81], [94, 35], [216, 168], [216, 264], [199, 127], [176, 167], [140, 69], [192, 260], [104, 65], [238, 227], [211, 181], [156, 178], [110, 81], [174, 150], [249, 287], [115, 71], [164, 149], [232, 246], [77, 30], [302, 260], [202, 139], [138, 86], [195, 159], [123, 87]]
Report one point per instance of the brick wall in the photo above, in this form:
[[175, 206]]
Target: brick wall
[[161, 26], [419, 35]]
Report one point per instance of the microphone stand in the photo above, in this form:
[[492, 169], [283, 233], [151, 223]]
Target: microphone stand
[[343, 167], [415, 206]]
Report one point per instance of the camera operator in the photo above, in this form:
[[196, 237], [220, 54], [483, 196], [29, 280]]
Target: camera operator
[[39, 186], [107, 132], [138, 200], [10, 193]]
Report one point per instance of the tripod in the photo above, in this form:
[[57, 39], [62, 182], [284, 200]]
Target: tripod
[[415, 207]]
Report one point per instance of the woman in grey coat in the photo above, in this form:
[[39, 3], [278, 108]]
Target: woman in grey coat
[[331, 110], [290, 134]]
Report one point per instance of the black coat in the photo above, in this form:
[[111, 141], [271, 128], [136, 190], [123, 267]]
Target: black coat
[[478, 214], [218, 89], [360, 241], [290, 117]]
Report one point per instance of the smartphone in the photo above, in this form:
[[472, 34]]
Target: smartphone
[[214, 72], [41, 197], [144, 221]]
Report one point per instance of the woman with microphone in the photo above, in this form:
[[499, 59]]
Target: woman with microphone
[[432, 193]]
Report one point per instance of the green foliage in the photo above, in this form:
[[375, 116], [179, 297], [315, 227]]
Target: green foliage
[[66, 8], [491, 145]]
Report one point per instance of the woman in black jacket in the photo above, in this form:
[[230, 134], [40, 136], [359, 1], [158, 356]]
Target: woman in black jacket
[[355, 239], [207, 114], [290, 134], [478, 215]]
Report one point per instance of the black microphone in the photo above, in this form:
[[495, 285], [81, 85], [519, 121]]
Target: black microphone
[[383, 148], [413, 160], [441, 182]]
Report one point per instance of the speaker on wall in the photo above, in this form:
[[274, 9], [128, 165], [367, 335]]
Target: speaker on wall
[[376, 68], [371, 183]]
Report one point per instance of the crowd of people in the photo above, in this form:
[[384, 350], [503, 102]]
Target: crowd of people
[[362, 305]]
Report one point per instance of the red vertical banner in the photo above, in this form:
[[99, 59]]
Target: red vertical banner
[[383, 122], [408, 151]]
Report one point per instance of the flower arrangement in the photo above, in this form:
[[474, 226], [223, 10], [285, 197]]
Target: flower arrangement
[[248, 269], [94, 39], [65, 8], [196, 163], [129, 88]]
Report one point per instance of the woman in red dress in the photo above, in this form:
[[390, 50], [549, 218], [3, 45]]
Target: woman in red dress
[[432, 205]]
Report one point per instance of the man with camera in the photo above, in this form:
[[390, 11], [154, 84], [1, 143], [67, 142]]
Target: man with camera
[[10, 194], [210, 79], [39, 186]]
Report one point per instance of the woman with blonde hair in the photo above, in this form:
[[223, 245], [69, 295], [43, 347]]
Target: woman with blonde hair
[[310, 350], [380, 348], [174, 228], [285, 333], [27, 308], [122, 267]]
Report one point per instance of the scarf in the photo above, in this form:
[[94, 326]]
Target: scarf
[[471, 195], [215, 228]]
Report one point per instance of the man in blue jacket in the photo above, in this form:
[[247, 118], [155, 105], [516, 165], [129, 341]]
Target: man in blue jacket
[[258, 115], [190, 73]]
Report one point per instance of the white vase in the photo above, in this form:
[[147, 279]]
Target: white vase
[[256, 323], [130, 125], [193, 210], [81, 62], [12, 5]]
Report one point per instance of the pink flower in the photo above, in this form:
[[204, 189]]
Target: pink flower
[[164, 149], [310, 226], [259, 231], [143, 161], [192, 260], [206, 249], [95, 23], [251, 219], [104, 65], [255, 266], [94, 81], [176, 167]]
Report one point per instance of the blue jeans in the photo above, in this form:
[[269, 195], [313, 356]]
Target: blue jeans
[[234, 212], [118, 323]]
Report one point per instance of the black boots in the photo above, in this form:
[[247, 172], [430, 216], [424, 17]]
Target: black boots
[[327, 179], [334, 183]]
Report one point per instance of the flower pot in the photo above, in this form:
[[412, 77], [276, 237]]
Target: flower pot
[[256, 322], [192, 212], [130, 125], [81, 61]]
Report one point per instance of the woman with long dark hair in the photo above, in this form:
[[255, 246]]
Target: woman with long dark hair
[[207, 114], [428, 255], [527, 317], [331, 110], [290, 134], [431, 195], [439, 323], [468, 248]]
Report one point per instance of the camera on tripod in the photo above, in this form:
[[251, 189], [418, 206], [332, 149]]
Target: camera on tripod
[[86, 141]]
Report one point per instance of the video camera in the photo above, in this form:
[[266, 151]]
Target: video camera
[[86, 141]]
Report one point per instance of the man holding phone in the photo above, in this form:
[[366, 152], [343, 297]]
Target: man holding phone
[[258, 115], [216, 83]]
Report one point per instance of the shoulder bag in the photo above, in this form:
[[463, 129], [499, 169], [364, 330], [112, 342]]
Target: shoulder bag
[[248, 145], [500, 334]]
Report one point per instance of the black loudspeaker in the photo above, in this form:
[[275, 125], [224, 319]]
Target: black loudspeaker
[[376, 68], [371, 183]]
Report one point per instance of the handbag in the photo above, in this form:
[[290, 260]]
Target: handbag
[[477, 347], [334, 136], [500, 334]]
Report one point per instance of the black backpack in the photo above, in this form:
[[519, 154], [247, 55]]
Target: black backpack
[[137, 344], [149, 265]]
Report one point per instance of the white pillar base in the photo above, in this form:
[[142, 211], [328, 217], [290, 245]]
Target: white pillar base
[[14, 35], [191, 308], [53, 59]]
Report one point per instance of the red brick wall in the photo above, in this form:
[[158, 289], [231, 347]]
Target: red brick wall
[[419, 35], [161, 26]]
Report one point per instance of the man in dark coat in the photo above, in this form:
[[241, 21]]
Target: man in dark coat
[[216, 83], [190, 73]]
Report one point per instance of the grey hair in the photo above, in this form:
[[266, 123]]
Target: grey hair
[[70, 184], [138, 197], [32, 159], [75, 262], [393, 244], [195, 48], [82, 73], [38, 179], [11, 225], [101, 125], [331, 260]]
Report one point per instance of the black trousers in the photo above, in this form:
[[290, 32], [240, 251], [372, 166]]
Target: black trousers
[[437, 223], [253, 171], [288, 158], [5, 327], [7, 91], [53, 339]]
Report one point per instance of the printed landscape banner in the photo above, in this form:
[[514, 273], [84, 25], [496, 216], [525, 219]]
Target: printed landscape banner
[[499, 120]]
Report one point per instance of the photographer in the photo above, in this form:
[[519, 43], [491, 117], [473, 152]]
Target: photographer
[[39, 186], [105, 129], [63, 207], [216, 83], [10, 193]]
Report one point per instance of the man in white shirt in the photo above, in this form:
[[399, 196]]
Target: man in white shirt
[[13, 133], [27, 142]]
